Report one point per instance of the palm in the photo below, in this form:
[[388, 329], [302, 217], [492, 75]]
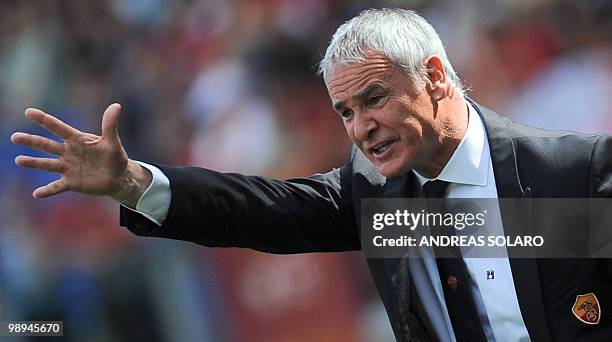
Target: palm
[[87, 163], [92, 165]]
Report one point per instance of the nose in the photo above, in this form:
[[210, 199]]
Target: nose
[[364, 125]]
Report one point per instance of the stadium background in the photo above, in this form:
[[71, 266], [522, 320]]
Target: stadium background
[[231, 85]]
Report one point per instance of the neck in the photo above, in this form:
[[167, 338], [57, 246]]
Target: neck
[[452, 121]]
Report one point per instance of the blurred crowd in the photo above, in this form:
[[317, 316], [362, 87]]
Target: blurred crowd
[[232, 86]]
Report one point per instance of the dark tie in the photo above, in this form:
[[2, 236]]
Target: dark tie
[[454, 275]]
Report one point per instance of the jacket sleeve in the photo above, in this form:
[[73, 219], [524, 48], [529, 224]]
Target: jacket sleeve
[[600, 185], [601, 168], [312, 214]]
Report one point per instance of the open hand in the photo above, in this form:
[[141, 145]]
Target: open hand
[[88, 163]]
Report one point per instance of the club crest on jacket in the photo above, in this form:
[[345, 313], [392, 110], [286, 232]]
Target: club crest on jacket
[[586, 308]]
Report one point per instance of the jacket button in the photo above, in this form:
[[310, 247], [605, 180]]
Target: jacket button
[[452, 282]]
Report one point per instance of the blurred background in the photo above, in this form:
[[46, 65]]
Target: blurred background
[[231, 85]]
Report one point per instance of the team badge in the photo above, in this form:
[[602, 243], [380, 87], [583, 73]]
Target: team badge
[[586, 308]]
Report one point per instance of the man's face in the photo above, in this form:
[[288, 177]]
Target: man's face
[[384, 114]]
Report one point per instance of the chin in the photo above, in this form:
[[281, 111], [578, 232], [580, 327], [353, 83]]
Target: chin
[[399, 164], [391, 171]]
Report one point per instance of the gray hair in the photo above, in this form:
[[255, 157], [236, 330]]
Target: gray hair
[[401, 35]]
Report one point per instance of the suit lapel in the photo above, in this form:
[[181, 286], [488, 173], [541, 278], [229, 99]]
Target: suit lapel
[[415, 325], [524, 271], [399, 187]]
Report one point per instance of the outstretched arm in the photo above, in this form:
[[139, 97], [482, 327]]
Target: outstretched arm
[[311, 214], [207, 207], [87, 163]]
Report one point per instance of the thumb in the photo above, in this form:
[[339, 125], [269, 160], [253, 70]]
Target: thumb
[[110, 122]]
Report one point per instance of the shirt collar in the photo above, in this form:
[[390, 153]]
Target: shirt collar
[[469, 164]]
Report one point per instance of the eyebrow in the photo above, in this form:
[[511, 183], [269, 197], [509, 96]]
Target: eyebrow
[[338, 106]]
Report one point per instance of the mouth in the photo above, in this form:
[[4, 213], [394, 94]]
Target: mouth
[[380, 149]]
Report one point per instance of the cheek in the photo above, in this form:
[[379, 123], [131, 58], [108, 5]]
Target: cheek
[[411, 131], [348, 127]]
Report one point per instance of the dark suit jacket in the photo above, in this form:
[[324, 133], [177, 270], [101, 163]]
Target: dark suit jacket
[[321, 214]]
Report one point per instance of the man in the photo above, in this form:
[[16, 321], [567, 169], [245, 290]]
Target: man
[[403, 107]]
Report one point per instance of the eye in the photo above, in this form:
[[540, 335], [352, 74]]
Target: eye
[[346, 114], [374, 100]]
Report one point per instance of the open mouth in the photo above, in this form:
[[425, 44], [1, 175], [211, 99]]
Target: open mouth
[[379, 149]]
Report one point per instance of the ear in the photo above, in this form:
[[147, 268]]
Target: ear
[[437, 83]]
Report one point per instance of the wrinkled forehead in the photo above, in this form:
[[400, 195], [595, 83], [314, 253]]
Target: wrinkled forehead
[[348, 79], [353, 62], [347, 74]]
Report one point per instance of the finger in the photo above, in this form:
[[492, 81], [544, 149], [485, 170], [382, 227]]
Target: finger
[[110, 122], [53, 124], [37, 142], [51, 189], [45, 164]]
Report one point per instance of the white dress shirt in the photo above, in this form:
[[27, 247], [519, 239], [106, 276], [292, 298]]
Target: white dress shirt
[[470, 174], [154, 203]]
